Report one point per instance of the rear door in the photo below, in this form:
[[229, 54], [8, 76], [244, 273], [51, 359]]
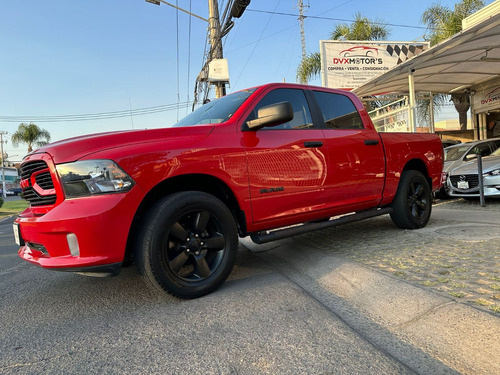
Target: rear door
[[287, 164], [356, 155]]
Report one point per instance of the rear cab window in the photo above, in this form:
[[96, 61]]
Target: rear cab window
[[338, 111]]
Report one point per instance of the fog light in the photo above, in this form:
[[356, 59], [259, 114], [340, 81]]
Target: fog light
[[74, 249], [37, 247]]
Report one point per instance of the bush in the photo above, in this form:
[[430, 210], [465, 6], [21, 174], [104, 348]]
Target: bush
[[1, 201]]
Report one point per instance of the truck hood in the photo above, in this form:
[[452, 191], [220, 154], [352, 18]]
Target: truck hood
[[490, 163], [72, 149]]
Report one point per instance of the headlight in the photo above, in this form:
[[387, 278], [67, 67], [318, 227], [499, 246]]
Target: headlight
[[495, 172], [89, 177]]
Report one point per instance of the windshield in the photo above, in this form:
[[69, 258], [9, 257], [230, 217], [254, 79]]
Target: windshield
[[217, 111], [455, 153]]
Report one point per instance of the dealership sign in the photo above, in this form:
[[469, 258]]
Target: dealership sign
[[487, 100], [349, 65]]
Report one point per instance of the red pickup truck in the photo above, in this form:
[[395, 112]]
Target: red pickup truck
[[268, 162]]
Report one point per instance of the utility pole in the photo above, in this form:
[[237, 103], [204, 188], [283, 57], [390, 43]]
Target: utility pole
[[300, 5], [216, 33], [215, 42], [234, 9]]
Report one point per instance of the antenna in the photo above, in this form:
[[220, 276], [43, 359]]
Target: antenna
[[300, 5]]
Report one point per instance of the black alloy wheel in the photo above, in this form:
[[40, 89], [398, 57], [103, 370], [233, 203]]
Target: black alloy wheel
[[193, 247], [187, 244], [412, 204]]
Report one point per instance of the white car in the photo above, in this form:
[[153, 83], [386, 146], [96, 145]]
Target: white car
[[463, 153], [463, 181]]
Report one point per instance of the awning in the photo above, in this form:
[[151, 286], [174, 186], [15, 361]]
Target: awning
[[467, 59]]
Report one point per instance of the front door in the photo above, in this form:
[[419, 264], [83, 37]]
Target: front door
[[287, 164]]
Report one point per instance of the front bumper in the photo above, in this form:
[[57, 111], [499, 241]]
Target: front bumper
[[87, 234], [491, 188]]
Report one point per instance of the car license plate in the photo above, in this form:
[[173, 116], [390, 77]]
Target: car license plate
[[463, 184], [17, 237]]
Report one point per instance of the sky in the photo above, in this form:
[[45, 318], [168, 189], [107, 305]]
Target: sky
[[134, 61]]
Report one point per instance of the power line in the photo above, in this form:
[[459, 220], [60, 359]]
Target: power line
[[260, 38], [97, 116], [338, 6], [265, 37], [340, 19]]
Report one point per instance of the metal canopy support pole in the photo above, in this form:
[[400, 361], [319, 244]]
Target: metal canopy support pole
[[431, 113], [473, 117], [479, 126], [482, 126], [411, 89]]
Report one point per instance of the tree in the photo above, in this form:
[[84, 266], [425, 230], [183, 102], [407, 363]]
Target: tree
[[360, 29], [30, 134], [443, 23]]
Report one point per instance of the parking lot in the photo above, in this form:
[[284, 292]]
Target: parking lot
[[361, 298]]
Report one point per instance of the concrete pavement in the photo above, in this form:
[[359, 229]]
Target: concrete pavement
[[281, 311], [434, 289]]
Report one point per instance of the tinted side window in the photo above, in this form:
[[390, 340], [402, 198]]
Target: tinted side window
[[496, 145], [483, 148], [338, 111], [301, 115]]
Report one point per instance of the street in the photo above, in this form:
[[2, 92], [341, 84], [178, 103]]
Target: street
[[259, 322], [284, 311]]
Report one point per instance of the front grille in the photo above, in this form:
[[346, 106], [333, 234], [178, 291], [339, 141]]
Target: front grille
[[31, 167], [43, 179], [472, 179]]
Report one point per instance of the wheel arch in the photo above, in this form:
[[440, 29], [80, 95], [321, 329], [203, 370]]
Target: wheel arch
[[191, 182], [419, 165]]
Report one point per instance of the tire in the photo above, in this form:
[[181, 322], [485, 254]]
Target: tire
[[187, 244], [412, 204]]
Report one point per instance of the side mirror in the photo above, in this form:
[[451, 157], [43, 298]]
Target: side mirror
[[272, 115], [470, 157]]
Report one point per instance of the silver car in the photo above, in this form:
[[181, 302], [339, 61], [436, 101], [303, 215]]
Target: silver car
[[464, 180], [457, 155]]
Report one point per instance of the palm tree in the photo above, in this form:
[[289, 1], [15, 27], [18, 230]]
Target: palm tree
[[30, 134], [443, 23], [360, 29]]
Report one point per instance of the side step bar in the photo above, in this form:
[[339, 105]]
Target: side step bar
[[274, 235]]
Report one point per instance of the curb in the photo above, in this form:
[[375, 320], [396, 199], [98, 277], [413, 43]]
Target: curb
[[390, 312]]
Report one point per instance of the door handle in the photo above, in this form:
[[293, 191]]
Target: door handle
[[371, 142], [313, 144]]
